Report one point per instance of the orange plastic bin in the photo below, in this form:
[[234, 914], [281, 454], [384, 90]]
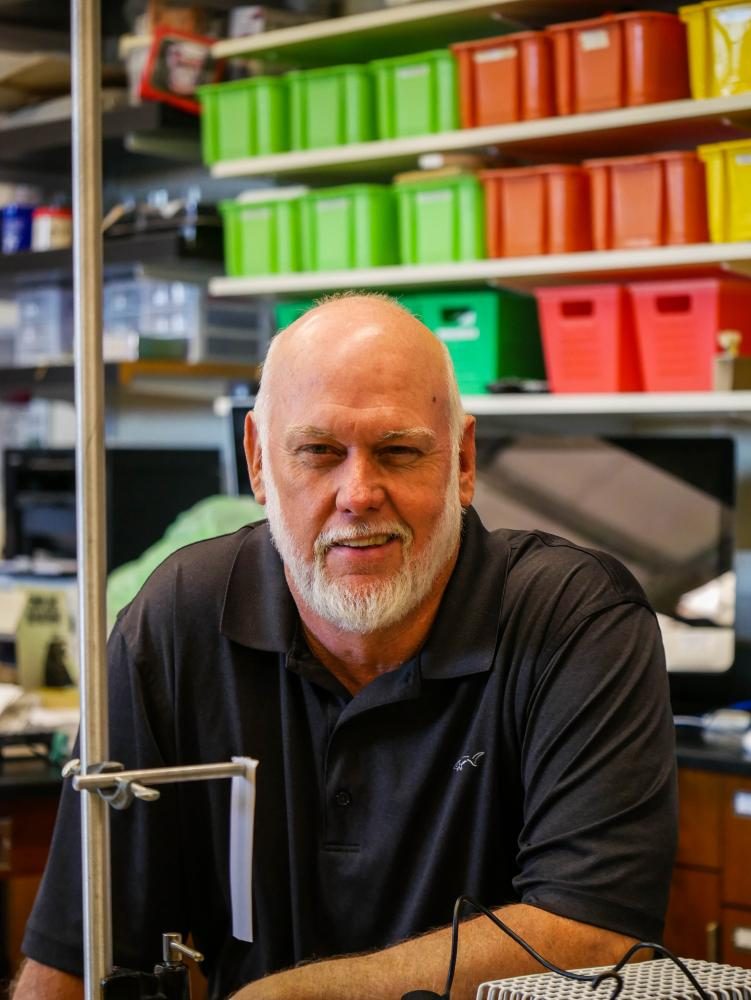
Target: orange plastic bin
[[619, 60], [588, 339], [677, 323], [536, 210], [505, 79], [659, 199]]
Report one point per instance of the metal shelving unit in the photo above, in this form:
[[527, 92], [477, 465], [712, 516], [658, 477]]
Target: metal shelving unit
[[166, 379], [154, 252], [165, 128]]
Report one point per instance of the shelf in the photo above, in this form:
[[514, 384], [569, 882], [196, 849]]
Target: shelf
[[53, 13], [646, 404], [150, 378], [514, 272], [399, 30], [643, 129], [156, 253], [35, 139]]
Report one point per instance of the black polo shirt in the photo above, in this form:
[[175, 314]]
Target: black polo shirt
[[525, 753]]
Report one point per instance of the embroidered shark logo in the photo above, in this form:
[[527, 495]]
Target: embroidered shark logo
[[473, 760]]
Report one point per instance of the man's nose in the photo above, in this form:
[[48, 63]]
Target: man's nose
[[359, 489]]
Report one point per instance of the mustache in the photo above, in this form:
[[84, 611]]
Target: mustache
[[335, 536]]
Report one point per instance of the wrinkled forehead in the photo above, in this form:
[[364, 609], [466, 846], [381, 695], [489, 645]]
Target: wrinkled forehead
[[358, 368]]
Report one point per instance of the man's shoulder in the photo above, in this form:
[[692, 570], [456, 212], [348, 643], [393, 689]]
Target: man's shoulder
[[196, 575], [550, 563]]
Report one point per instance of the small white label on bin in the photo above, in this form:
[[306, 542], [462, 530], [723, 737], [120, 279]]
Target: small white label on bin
[[732, 16], [742, 938], [409, 71], [429, 197], [595, 39], [742, 804], [256, 214], [454, 333], [495, 55], [743, 159], [333, 204]]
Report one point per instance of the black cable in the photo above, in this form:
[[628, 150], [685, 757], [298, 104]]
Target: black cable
[[666, 953], [596, 979]]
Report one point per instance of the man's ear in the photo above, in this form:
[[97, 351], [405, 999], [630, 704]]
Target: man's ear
[[254, 457], [467, 460]]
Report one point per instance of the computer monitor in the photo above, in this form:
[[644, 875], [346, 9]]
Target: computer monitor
[[663, 505], [238, 468], [146, 490]]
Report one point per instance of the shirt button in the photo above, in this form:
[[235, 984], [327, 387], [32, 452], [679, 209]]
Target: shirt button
[[342, 797]]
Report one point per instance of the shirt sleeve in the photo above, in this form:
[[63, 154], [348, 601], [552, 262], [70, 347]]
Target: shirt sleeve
[[598, 769], [147, 877]]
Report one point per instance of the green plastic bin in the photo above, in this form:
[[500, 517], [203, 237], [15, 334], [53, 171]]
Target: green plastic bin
[[416, 94], [331, 106], [243, 118], [262, 233], [489, 334], [285, 313], [441, 220], [348, 227]]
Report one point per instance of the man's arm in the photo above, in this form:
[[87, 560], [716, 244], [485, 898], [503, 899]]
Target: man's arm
[[40, 982], [422, 963]]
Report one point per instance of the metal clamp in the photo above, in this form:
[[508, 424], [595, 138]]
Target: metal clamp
[[172, 942], [120, 794]]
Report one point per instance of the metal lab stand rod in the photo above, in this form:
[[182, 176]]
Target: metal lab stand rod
[[159, 775], [90, 490]]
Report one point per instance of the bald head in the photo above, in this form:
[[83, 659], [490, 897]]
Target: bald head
[[376, 342]]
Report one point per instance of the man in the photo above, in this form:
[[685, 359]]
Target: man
[[436, 710]]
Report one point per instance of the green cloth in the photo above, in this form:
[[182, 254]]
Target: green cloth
[[213, 516]]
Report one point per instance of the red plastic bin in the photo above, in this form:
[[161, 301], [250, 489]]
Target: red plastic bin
[[536, 210], [619, 60], [505, 79], [659, 199], [677, 323], [588, 339]]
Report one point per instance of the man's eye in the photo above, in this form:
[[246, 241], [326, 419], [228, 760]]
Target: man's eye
[[316, 449], [400, 453]]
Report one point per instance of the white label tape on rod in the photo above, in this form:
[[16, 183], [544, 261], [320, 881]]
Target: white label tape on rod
[[242, 811]]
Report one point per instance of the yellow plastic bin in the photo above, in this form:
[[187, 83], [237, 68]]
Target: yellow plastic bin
[[262, 232], [719, 47], [728, 190]]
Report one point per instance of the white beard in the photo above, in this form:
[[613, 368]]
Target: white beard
[[378, 603]]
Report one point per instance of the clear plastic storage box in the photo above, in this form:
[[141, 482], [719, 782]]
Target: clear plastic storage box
[[149, 319], [45, 325]]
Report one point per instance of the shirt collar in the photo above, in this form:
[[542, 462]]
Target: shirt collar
[[259, 610], [465, 632], [258, 607]]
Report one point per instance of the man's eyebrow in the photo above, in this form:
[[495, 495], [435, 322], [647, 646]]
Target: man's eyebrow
[[412, 433], [307, 430]]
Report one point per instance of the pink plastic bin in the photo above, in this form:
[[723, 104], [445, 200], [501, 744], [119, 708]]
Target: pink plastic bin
[[588, 339]]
